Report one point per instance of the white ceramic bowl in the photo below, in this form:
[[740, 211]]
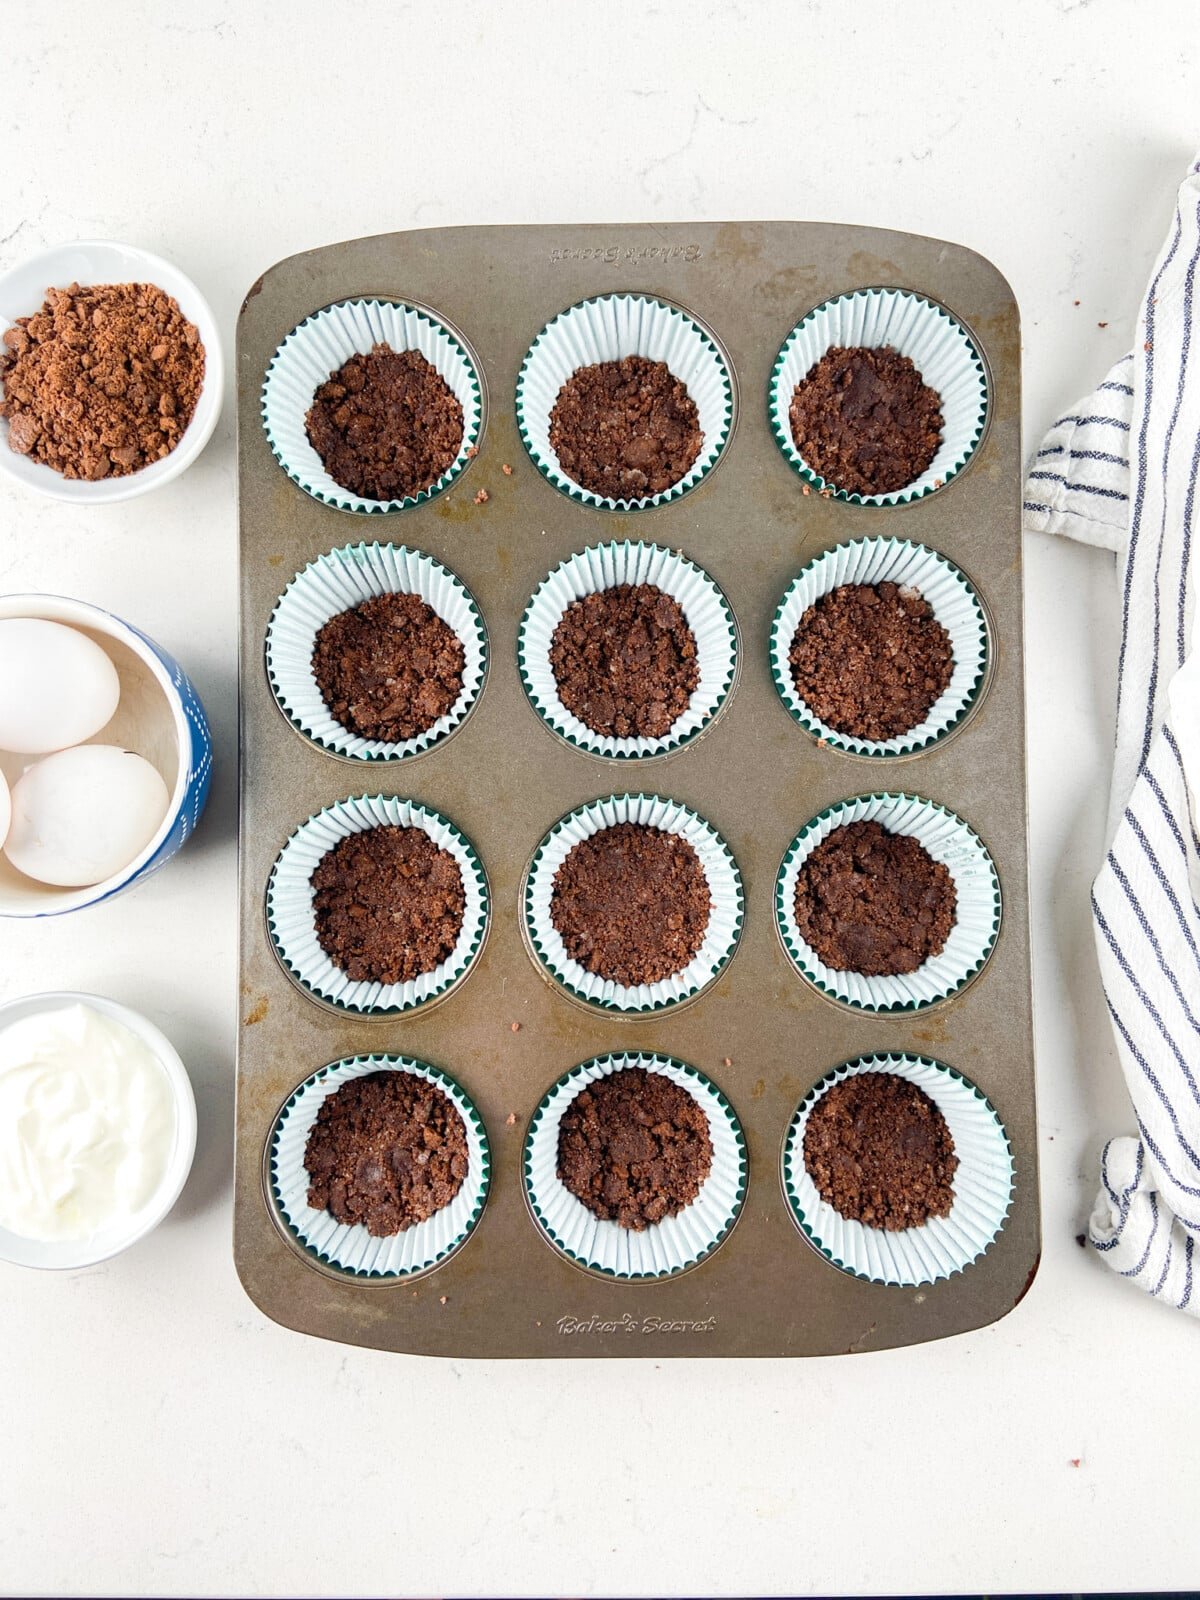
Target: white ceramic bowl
[[159, 716], [91, 261], [63, 1254]]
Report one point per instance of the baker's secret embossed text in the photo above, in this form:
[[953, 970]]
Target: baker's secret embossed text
[[626, 1323], [634, 254]]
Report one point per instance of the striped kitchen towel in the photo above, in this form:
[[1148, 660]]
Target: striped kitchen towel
[[1121, 470]]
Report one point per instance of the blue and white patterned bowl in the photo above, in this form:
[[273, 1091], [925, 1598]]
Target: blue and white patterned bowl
[[159, 716]]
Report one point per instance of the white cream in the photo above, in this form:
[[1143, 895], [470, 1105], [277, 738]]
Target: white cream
[[87, 1123]]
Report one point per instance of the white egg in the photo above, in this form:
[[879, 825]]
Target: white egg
[[5, 809], [57, 686], [82, 815]]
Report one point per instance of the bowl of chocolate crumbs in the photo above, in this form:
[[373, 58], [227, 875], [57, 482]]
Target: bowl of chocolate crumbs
[[897, 1169], [633, 903], [376, 652], [880, 648], [628, 651], [110, 372], [378, 906], [374, 405], [887, 903], [378, 1166], [635, 1166], [625, 401], [879, 397]]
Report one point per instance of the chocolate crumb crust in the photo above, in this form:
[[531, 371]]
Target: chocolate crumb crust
[[386, 425], [625, 429], [625, 661], [631, 903], [865, 421], [388, 904], [871, 660], [389, 668], [879, 1152], [874, 902], [634, 1147], [387, 1150]]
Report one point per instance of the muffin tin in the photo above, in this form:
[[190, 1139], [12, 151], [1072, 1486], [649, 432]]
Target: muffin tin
[[760, 1034]]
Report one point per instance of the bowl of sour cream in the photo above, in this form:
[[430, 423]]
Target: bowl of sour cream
[[97, 1129]]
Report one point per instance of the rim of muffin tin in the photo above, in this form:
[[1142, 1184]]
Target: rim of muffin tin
[[380, 751], [615, 551], [692, 479], [907, 1065], [660, 1005], [702, 1088], [791, 943], [875, 749], [778, 403], [344, 499], [464, 966], [360, 1066]]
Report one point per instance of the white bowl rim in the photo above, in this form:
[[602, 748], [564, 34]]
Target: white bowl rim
[[83, 613], [179, 1165], [167, 276]]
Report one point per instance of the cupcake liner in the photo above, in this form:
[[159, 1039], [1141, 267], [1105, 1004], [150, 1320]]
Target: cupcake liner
[[938, 345], [949, 840], [292, 927], [724, 924], [351, 1249], [666, 1248], [954, 603], [337, 582], [609, 328], [604, 566], [324, 342], [983, 1184]]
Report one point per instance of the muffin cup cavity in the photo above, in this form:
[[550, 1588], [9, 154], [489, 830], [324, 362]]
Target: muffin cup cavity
[[666, 1248], [939, 346], [339, 581], [609, 328], [951, 598], [721, 937], [323, 343], [606, 566], [350, 1250], [983, 1184], [291, 923], [949, 840]]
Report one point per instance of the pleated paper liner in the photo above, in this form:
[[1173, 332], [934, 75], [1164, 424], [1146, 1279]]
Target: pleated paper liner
[[983, 1184], [949, 840], [939, 346], [666, 1248], [949, 595], [609, 328], [292, 927], [349, 1249], [323, 343], [605, 566], [337, 582], [721, 936]]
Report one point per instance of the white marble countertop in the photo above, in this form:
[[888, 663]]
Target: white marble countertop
[[159, 1436]]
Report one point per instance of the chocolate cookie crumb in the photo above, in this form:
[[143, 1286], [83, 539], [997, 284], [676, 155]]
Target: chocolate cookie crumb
[[865, 421], [634, 1147], [879, 1152], [624, 660], [386, 425], [874, 902], [631, 903], [389, 668], [387, 1150], [388, 904], [102, 381], [625, 429], [871, 659]]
